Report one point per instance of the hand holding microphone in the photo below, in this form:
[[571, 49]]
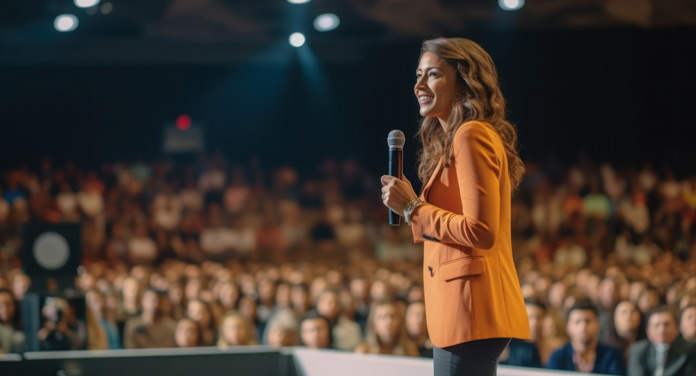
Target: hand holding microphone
[[396, 189]]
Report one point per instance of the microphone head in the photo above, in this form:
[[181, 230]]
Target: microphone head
[[396, 139]]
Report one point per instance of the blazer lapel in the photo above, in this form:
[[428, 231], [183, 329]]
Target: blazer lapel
[[651, 359], [676, 357], [433, 177]]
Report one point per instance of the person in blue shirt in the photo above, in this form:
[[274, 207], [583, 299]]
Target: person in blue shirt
[[584, 352]]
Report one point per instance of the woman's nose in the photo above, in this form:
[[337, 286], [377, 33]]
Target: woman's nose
[[420, 83]]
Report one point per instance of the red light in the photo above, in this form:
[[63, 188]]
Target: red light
[[183, 122]]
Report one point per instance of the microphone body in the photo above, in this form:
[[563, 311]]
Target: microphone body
[[396, 168], [396, 141]]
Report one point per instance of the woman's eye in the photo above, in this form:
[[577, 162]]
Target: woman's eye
[[432, 74]]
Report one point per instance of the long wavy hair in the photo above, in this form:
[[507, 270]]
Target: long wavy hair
[[479, 99], [402, 344]]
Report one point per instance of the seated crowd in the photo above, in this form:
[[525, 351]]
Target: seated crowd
[[208, 254]]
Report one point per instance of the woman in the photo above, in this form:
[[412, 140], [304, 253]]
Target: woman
[[102, 333], [417, 330], [235, 330], [11, 335], [626, 326], [469, 164], [200, 312], [386, 332], [188, 333]]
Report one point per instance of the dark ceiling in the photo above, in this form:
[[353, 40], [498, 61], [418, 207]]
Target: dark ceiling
[[197, 31]]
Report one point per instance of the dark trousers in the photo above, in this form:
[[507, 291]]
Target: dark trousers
[[476, 358]]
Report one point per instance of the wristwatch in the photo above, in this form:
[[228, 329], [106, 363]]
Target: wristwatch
[[410, 207]]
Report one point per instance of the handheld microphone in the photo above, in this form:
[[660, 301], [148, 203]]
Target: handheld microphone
[[396, 141]]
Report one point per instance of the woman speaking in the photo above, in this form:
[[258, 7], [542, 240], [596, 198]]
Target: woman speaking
[[469, 166]]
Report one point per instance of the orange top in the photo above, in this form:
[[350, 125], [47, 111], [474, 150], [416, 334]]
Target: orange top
[[471, 286]]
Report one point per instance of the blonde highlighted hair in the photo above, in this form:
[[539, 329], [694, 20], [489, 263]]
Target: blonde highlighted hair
[[480, 99]]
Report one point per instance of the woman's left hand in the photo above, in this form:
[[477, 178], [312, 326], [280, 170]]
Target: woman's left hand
[[397, 193]]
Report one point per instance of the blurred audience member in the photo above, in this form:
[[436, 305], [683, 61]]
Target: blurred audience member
[[152, 328], [663, 353], [281, 330], [11, 335], [187, 333], [200, 312], [417, 329], [584, 352], [345, 332], [97, 306], [687, 324], [235, 330], [386, 333], [315, 331], [626, 328]]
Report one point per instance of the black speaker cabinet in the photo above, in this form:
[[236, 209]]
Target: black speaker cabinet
[[51, 251]]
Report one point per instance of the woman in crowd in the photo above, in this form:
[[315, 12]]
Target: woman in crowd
[[235, 330], [188, 333], [417, 329], [386, 333], [11, 335], [200, 312], [626, 327]]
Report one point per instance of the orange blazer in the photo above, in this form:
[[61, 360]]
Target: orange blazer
[[471, 286]]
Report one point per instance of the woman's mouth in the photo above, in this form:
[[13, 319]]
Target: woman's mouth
[[425, 99]]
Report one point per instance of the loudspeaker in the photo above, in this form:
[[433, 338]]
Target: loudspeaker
[[51, 251]]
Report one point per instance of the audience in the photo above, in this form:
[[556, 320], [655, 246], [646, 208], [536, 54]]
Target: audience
[[584, 352], [345, 332], [187, 333], [663, 353], [235, 330], [152, 328], [417, 329], [11, 336], [687, 324], [104, 324], [386, 333], [315, 331], [282, 330], [247, 255], [544, 342], [200, 312], [626, 328]]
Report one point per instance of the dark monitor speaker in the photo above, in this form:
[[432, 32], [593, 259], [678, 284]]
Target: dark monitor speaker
[[50, 251]]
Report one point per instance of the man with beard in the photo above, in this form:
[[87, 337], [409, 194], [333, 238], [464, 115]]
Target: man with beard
[[584, 352]]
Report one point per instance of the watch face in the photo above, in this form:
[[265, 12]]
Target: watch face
[[51, 250]]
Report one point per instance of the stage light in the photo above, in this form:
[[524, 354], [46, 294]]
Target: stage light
[[511, 4], [326, 22], [65, 23], [297, 39], [86, 3], [298, 1], [183, 122], [107, 8]]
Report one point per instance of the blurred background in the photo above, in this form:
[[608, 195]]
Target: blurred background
[[215, 175]]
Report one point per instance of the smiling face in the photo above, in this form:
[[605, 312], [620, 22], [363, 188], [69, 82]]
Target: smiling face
[[436, 86]]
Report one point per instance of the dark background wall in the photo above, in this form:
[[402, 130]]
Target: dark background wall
[[621, 94]]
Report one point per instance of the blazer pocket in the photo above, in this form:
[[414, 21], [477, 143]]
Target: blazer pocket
[[462, 267]]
